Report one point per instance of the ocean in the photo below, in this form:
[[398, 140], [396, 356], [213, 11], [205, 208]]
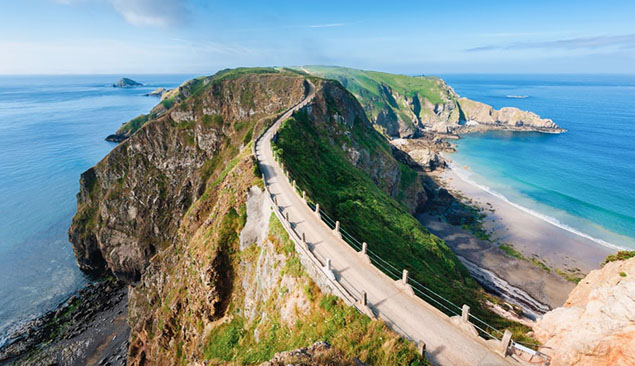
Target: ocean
[[582, 180], [52, 128]]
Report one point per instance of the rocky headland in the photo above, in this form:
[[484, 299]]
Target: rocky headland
[[420, 114]]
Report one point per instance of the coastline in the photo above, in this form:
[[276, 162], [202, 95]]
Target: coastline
[[529, 234], [538, 272]]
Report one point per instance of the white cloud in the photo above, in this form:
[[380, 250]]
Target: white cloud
[[153, 13]]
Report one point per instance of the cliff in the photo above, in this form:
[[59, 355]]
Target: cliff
[[177, 211], [131, 203], [412, 106], [596, 326]]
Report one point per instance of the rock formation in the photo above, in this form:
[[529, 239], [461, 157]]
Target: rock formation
[[596, 326], [412, 106], [126, 83], [158, 92]]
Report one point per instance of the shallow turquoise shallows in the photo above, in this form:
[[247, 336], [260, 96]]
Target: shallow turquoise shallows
[[52, 128], [583, 180]]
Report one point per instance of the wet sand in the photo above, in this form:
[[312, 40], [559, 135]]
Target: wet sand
[[516, 279], [530, 235]]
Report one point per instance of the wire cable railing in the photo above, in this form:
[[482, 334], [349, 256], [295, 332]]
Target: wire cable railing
[[395, 273]]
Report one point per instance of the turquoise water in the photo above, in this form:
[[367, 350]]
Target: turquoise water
[[582, 180], [52, 128]]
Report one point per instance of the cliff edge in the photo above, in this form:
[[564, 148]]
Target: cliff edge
[[596, 326]]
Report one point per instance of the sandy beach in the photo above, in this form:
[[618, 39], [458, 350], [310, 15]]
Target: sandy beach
[[523, 281], [529, 234]]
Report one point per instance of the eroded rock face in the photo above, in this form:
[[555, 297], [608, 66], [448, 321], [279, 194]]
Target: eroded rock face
[[132, 202], [484, 116], [318, 354], [338, 112], [596, 326]]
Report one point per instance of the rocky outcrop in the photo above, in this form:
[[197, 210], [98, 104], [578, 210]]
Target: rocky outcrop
[[480, 117], [318, 354], [596, 326], [126, 83], [131, 204], [413, 106], [158, 92]]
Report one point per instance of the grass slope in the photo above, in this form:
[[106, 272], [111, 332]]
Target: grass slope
[[367, 86], [365, 211]]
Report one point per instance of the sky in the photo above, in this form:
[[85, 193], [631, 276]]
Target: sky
[[413, 37]]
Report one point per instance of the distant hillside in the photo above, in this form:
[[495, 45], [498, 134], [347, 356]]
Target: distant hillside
[[410, 106]]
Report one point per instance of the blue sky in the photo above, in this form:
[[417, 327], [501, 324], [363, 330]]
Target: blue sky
[[432, 37]]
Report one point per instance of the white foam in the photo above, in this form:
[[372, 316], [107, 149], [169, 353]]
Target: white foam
[[463, 174]]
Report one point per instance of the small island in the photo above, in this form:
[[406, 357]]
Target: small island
[[126, 83]]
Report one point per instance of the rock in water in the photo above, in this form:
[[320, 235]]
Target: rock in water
[[158, 92], [126, 83], [596, 326]]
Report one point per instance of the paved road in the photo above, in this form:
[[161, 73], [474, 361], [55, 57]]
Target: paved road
[[446, 344]]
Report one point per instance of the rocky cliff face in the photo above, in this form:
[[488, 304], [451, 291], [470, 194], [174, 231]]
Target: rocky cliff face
[[596, 326], [131, 204], [343, 120], [177, 210]]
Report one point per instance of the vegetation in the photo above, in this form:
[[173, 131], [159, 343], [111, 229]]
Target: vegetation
[[374, 90], [321, 168], [135, 123], [325, 319], [620, 256]]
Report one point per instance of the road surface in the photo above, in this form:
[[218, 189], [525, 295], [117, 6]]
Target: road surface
[[446, 344]]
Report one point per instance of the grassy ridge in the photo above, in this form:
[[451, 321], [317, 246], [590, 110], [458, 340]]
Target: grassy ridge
[[349, 195], [367, 86], [366, 212]]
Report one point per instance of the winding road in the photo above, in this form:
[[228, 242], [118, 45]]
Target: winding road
[[446, 344]]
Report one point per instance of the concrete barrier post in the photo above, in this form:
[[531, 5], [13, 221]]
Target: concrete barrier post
[[304, 196], [337, 229], [465, 314], [364, 248], [294, 184], [317, 210], [421, 347], [404, 277], [507, 338]]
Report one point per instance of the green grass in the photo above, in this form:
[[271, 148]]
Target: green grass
[[327, 319], [365, 211], [367, 86], [620, 256], [135, 123], [509, 249]]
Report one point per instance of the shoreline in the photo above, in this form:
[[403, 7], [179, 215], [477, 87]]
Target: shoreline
[[530, 233], [537, 267]]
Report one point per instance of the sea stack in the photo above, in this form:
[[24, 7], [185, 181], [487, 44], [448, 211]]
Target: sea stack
[[126, 83]]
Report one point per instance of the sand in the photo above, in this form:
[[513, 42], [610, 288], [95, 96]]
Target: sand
[[529, 235]]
